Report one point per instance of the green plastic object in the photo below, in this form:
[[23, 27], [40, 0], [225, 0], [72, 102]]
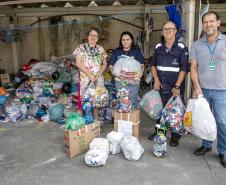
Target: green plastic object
[[74, 122]]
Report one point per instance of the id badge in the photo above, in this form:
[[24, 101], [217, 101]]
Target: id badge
[[212, 65]]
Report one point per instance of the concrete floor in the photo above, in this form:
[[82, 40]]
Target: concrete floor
[[33, 154]]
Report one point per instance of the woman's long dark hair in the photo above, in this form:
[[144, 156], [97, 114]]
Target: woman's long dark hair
[[130, 35]]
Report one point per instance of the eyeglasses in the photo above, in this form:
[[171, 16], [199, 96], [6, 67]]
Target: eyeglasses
[[168, 29], [93, 35]]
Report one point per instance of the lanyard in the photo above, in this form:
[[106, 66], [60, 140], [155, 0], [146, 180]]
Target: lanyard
[[211, 51]]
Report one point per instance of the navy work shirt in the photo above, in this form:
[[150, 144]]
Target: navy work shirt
[[135, 52], [169, 62]]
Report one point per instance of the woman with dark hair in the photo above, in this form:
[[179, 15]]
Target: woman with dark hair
[[91, 60], [127, 47]]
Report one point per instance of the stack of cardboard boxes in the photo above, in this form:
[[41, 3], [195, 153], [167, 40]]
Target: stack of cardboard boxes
[[123, 122]]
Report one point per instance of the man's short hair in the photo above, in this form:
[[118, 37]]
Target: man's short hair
[[169, 22], [211, 12]]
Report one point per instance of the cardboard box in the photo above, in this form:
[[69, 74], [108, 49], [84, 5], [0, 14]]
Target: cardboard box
[[77, 142], [133, 116], [5, 78]]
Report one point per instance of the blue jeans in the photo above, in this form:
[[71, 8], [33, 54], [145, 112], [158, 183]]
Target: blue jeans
[[134, 89], [217, 102]]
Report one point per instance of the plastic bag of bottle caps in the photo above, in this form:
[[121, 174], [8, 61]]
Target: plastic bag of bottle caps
[[172, 115], [151, 103], [123, 100], [98, 95], [160, 143]]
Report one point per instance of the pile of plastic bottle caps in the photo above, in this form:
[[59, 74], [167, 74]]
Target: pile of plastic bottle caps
[[123, 100], [172, 115]]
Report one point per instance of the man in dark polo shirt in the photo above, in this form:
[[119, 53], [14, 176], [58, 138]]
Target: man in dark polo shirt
[[169, 67]]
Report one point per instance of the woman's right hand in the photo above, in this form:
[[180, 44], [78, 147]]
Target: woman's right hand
[[92, 77]]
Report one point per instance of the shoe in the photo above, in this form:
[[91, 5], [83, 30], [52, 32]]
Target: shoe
[[222, 160], [151, 137], [174, 142], [202, 150]]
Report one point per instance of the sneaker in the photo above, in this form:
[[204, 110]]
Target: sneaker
[[222, 160], [151, 137], [174, 142], [202, 150]]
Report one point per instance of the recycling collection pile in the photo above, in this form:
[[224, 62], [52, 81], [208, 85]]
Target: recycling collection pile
[[43, 91]]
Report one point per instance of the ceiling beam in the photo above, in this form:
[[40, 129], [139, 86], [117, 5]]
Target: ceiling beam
[[20, 2], [103, 10]]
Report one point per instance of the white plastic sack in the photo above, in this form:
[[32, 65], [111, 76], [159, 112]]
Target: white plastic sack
[[203, 122], [131, 148], [128, 64], [100, 144], [114, 139], [43, 68], [95, 157]]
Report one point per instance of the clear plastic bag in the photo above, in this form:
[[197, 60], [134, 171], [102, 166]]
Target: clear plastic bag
[[151, 103], [128, 68], [131, 148], [114, 139], [98, 95], [172, 115]]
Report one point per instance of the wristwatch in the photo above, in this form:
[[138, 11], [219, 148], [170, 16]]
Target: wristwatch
[[177, 86]]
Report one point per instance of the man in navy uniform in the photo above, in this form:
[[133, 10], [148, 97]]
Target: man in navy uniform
[[169, 66]]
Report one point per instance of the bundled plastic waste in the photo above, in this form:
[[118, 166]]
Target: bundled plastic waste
[[74, 122], [41, 112], [48, 88], [46, 84], [172, 115], [160, 143], [128, 68], [98, 153], [88, 111], [123, 100], [98, 95], [114, 139], [151, 103], [16, 112], [56, 112], [199, 119], [131, 148]]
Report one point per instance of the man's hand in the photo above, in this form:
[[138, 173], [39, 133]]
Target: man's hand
[[197, 92], [157, 85], [175, 91]]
